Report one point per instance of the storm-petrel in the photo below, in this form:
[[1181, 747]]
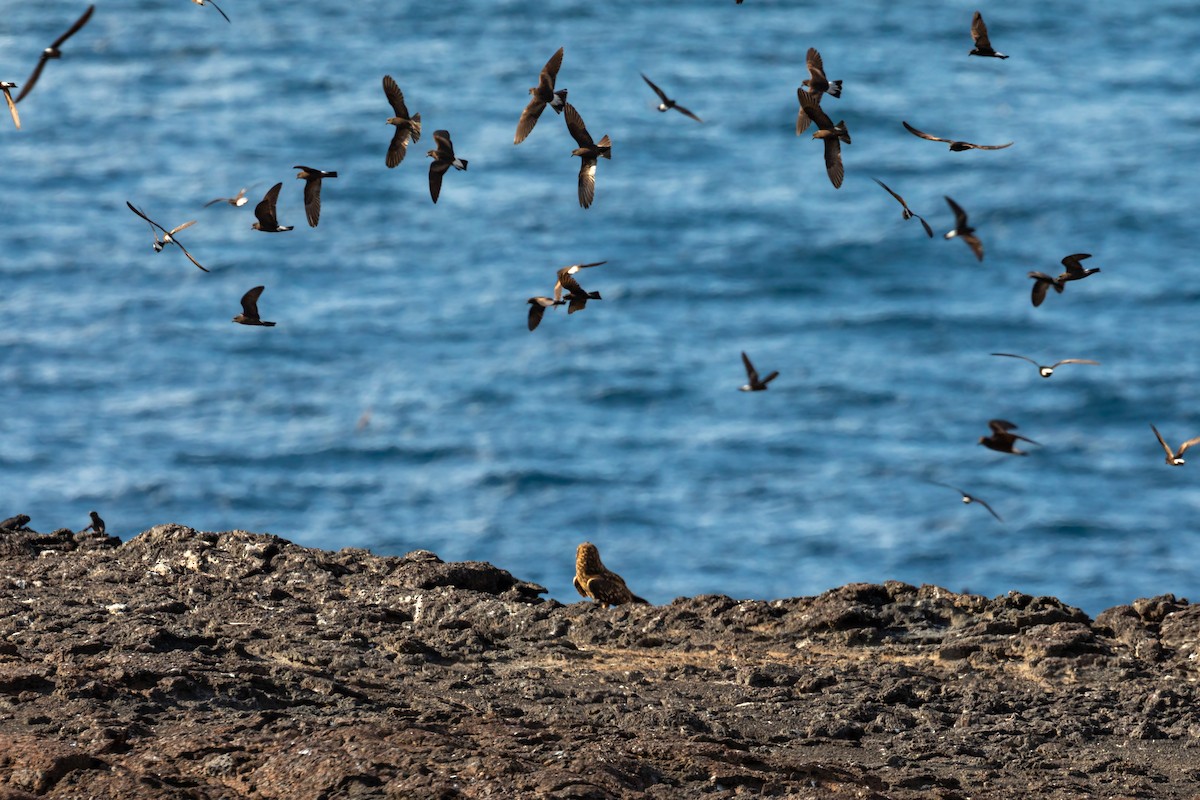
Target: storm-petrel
[[538, 306], [53, 52], [963, 230], [667, 103], [954, 144], [312, 191], [831, 134], [443, 158], [249, 315], [565, 277], [907, 212], [1047, 371], [588, 151], [1002, 439], [268, 222], [970, 498], [237, 201], [407, 128], [754, 384], [983, 47], [543, 95], [1174, 457], [168, 235]]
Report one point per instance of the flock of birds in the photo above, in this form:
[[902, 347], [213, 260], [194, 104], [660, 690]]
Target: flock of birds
[[592, 578]]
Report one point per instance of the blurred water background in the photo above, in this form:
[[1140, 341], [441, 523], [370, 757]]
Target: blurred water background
[[401, 403]]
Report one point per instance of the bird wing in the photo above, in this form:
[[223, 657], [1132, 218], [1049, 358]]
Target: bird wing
[[609, 589], [687, 113], [445, 148], [217, 200], [394, 96], [985, 505], [265, 210], [812, 59], [960, 216], [189, 255], [218, 8], [1041, 283], [1072, 262], [1023, 358], [990, 146], [1074, 361], [1158, 436], [32, 80], [751, 372], [398, 148], [74, 29], [887, 189], [312, 200], [27, 87], [1188, 444], [833, 161], [811, 105], [802, 119], [587, 181], [567, 279], [135, 210], [576, 127], [771, 377], [1001, 425], [250, 302], [550, 71], [922, 134], [178, 228], [925, 225], [976, 245], [661, 94], [536, 311], [979, 32], [12, 108], [529, 118], [436, 170]]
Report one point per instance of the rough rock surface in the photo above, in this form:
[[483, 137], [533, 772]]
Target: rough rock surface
[[206, 665]]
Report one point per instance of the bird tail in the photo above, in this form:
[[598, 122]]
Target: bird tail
[[594, 296], [329, 175], [460, 163], [835, 88], [840, 130], [268, 324], [606, 143], [416, 127]]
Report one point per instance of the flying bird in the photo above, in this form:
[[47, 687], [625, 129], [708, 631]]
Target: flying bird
[[954, 144], [831, 134], [265, 212], [969, 498], [754, 384], [407, 128], [1074, 272], [908, 212], [249, 315], [12, 107], [1047, 371], [595, 581], [817, 84], [667, 103], [589, 153], [312, 191], [97, 523], [53, 52], [538, 306], [214, 5], [168, 235], [543, 95], [1002, 438], [983, 47], [565, 277], [237, 201], [443, 158], [577, 301], [963, 230], [1174, 457]]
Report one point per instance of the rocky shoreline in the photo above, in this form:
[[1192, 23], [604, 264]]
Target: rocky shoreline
[[215, 665]]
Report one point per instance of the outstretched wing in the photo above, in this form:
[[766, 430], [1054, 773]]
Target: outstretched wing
[[576, 127], [922, 134]]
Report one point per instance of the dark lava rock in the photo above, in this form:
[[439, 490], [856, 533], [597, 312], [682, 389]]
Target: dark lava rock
[[216, 665]]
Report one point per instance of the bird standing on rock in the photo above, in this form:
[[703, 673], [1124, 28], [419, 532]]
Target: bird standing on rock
[[595, 581]]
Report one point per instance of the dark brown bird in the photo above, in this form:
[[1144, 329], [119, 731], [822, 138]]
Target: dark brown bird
[[543, 95], [594, 580], [268, 222], [753, 383], [1002, 439], [12, 107], [443, 158], [1074, 272], [168, 235], [954, 144], [666, 103], [1047, 371], [565, 277], [15, 524], [237, 201], [589, 153], [53, 52], [963, 230], [908, 212], [214, 5], [312, 191], [97, 523], [249, 315], [817, 84], [968, 498], [983, 47], [538, 306], [831, 134], [578, 301], [407, 128], [1174, 457]]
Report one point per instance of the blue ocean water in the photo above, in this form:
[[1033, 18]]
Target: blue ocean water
[[401, 403]]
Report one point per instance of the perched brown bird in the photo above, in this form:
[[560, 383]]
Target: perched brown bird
[[538, 306], [12, 107], [1047, 371], [443, 158], [588, 151], [97, 523], [268, 222], [753, 383], [1002, 439], [968, 498], [237, 201], [407, 128], [817, 84], [907, 212], [249, 315], [831, 134], [954, 144], [565, 277], [983, 47], [1074, 272], [312, 191], [666, 103], [15, 524], [168, 235], [543, 95], [963, 230], [214, 5], [594, 580], [1174, 457], [53, 52]]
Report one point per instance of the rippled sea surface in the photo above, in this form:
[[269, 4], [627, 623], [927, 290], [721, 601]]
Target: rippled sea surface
[[401, 402]]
